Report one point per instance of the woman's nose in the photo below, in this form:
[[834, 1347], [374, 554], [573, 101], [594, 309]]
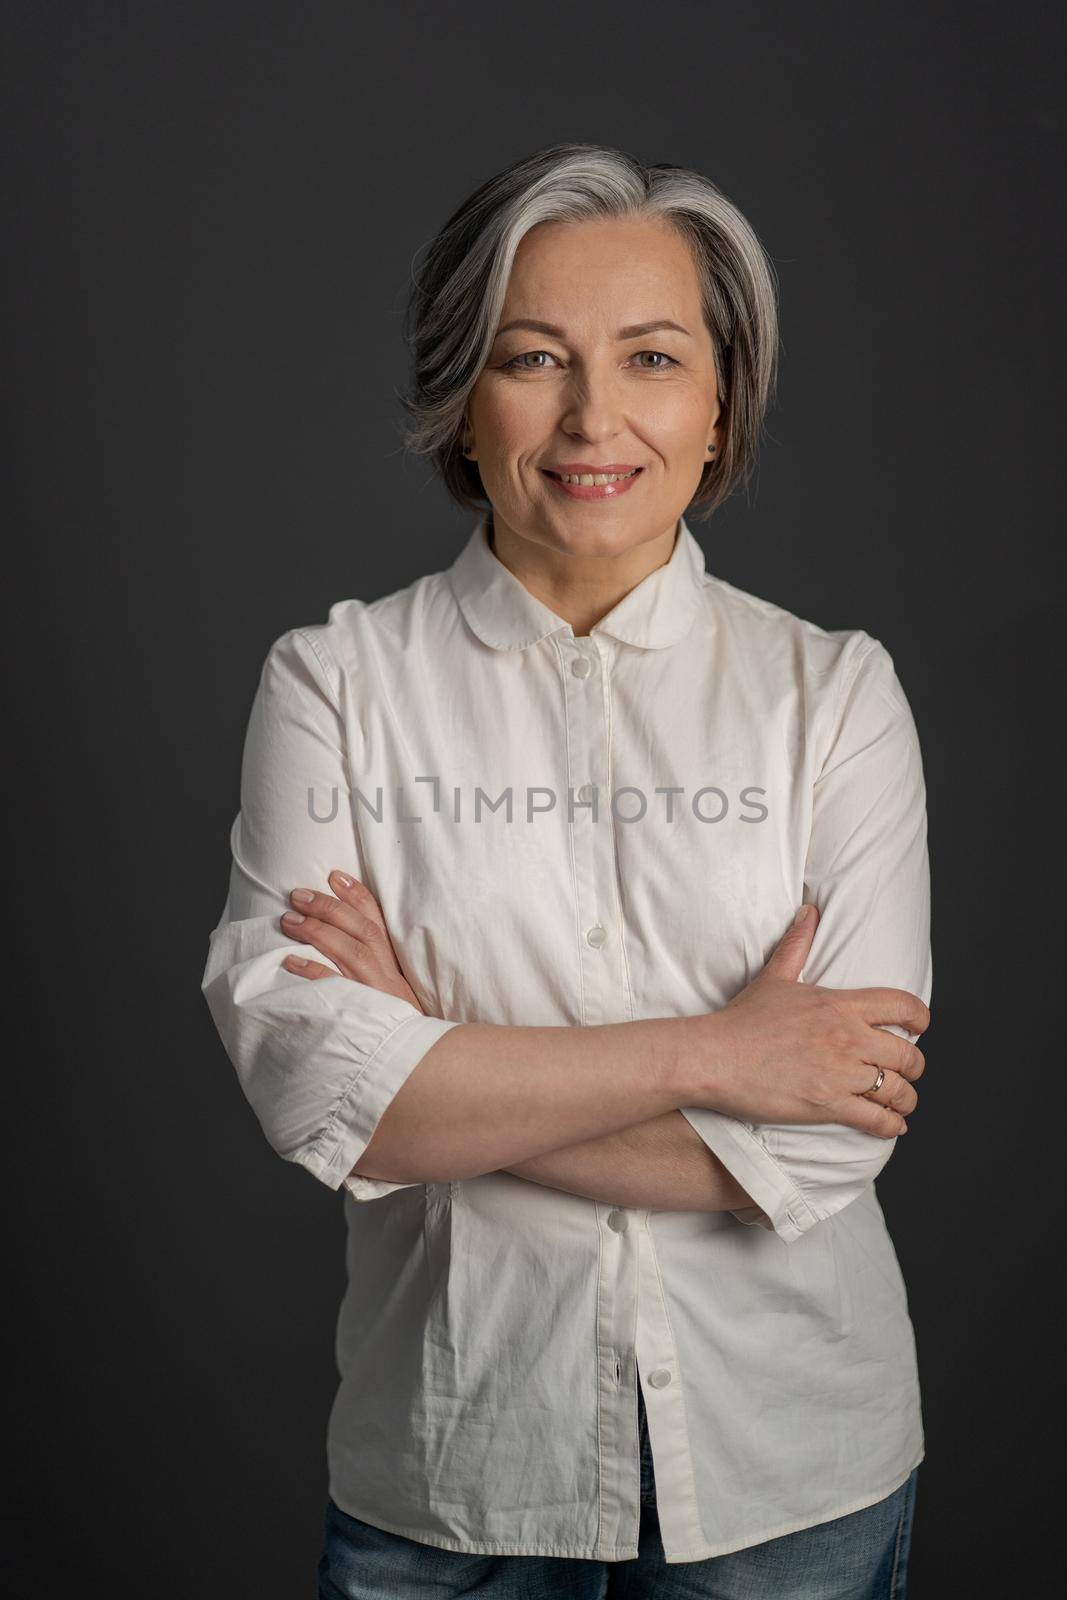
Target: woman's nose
[[593, 408]]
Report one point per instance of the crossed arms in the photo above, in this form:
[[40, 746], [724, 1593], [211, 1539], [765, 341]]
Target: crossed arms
[[320, 1060]]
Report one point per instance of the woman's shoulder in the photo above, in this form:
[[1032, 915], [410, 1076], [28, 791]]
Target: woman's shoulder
[[844, 680], [356, 632], [774, 633]]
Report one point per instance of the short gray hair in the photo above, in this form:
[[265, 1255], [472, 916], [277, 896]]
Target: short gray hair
[[458, 294]]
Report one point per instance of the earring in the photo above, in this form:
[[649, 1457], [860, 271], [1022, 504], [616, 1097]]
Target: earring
[[711, 447]]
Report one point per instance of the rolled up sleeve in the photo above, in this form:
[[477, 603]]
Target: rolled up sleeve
[[319, 1062], [867, 870]]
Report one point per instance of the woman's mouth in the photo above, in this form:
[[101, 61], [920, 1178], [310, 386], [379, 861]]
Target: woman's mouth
[[594, 485]]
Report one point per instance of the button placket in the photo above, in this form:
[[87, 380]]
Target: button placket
[[604, 999], [587, 747], [616, 1301], [676, 1490], [604, 934]]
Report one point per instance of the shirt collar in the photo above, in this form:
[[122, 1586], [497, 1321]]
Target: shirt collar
[[657, 612]]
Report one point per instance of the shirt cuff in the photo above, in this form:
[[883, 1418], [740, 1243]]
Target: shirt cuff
[[353, 1122], [779, 1204], [371, 1188]]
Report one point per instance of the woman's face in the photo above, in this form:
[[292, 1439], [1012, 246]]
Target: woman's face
[[594, 384]]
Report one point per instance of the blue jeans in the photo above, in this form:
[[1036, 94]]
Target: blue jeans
[[861, 1556]]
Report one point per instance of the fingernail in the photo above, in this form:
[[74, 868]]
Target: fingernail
[[344, 880], [799, 918], [295, 961], [303, 896], [293, 917]]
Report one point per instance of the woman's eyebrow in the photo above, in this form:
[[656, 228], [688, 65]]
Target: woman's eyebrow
[[636, 331]]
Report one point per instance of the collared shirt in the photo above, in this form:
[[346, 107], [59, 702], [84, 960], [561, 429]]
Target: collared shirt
[[573, 830]]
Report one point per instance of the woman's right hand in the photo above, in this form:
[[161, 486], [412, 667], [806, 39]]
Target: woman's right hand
[[785, 1051]]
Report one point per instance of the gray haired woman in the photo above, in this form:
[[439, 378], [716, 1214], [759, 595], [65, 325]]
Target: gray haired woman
[[605, 955]]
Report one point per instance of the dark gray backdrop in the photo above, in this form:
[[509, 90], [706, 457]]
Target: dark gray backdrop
[[212, 213]]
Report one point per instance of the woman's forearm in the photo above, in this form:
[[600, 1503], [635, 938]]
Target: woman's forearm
[[486, 1095], [662, 1164]]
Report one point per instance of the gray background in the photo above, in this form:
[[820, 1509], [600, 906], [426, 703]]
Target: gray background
[[212, 211]]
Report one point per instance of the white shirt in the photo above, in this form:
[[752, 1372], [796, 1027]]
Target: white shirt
[[494, 1330]]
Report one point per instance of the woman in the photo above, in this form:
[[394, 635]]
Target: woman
[[623, 1313]]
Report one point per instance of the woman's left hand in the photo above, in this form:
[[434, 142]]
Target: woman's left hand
[[348, 928]]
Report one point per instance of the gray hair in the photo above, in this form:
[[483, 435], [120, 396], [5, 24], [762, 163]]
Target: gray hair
[[458, 295]]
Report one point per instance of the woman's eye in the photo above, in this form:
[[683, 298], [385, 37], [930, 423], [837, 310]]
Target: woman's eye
[[517, 361], [665, 359]]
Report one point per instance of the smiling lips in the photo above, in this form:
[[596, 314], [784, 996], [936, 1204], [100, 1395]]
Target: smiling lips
[[583, 481]]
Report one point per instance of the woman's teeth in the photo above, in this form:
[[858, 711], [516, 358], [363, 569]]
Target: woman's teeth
[[589, 479]]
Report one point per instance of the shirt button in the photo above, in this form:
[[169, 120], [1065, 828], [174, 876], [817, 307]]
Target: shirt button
[[581, 666], [596, 936], [660, 1378], [618, 1220], [585, 793]]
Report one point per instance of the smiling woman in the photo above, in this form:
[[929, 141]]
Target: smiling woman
[[649, 416], [480, 292], [601, 1151]]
